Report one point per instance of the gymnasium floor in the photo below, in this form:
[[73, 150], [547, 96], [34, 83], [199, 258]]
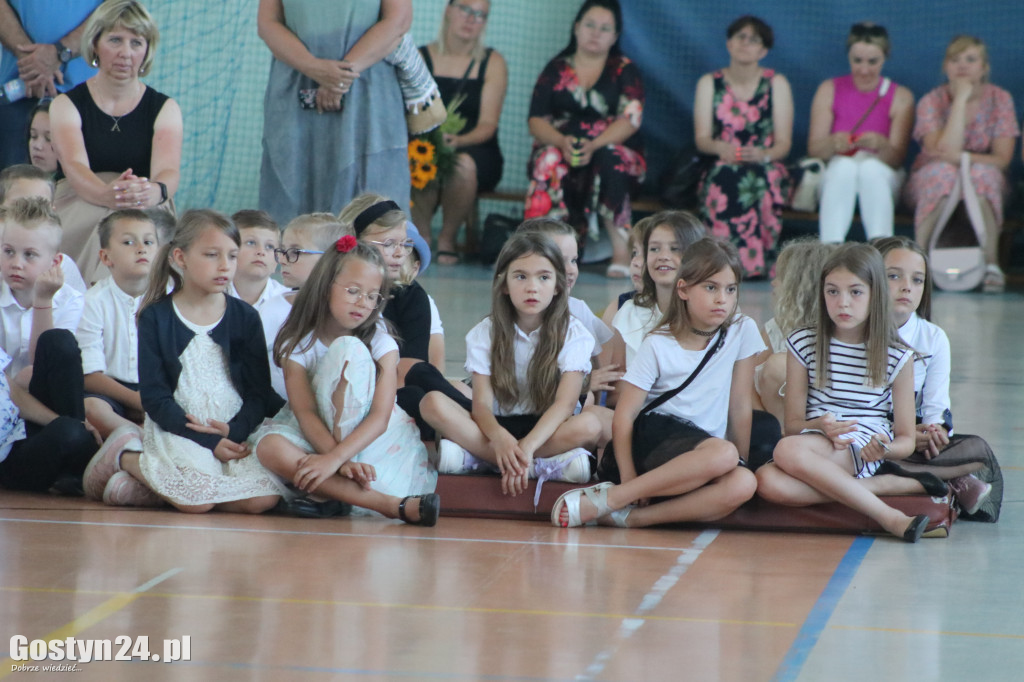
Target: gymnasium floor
[[273, 598]]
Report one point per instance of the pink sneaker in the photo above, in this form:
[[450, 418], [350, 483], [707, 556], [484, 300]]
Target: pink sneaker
[[124, 491], [106, 461], [971, 492]]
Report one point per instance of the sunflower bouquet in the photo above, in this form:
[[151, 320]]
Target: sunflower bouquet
[[430, 157]]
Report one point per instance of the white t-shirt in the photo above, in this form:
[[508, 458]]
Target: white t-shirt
[[273, 313], [931, 367], [273, 288], [661, 365], [435, 318], [597, 328], [107, 334], [12, 426], [16, 327], [633, 323], [574, 357]]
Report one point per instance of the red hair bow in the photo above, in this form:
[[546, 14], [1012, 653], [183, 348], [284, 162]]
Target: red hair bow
[[346, 244]]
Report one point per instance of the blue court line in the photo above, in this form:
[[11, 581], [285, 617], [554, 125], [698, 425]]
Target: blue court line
[[821, 612]]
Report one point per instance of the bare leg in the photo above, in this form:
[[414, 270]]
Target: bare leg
[[583, 430], [620, 252], [451, 421], [100, 414], [338, 400], [281, 456], [773, 382], [458, 196], [812, 459], [923, 230], [992, 230], [717, 499], [424, 204]]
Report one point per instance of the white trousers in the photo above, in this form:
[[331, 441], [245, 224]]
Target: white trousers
[[863, 177]]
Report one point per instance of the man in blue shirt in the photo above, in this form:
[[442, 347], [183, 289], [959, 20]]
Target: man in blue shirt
[[41, 42]]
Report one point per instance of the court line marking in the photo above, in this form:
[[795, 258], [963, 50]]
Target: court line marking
[[911, 631], [631, 624], [274, 531], [94, 615], [417, 607], [817, 620]]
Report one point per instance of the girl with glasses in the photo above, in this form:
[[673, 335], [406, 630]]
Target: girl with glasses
[[341, 435], [464, 68]]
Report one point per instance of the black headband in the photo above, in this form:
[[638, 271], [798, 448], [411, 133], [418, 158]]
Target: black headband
[[371, 214]]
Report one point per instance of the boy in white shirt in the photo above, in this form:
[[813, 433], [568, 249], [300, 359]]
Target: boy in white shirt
[[107, 334], [22, 181], [33, 298], [260, 236]]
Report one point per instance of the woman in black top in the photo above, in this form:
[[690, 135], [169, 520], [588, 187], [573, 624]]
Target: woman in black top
[[118, 141], [464, 68]]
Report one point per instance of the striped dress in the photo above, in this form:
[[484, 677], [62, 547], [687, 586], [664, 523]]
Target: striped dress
[[849, 395]]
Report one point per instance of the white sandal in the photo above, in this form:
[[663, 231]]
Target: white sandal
[[995, 280], [598, 496], [617, 518]]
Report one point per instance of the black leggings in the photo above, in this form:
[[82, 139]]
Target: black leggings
[[420, 380], [64, 446]]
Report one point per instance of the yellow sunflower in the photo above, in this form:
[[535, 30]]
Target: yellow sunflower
[[421, 150]]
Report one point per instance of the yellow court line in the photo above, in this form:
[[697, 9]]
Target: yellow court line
[[420, 607], [910, 631], [90, 617]]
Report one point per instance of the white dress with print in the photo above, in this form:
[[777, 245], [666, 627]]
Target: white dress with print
[[183, 471], [398, 455]]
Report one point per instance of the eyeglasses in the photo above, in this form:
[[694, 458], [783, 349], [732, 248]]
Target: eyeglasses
[[751, 38], [470, 13], [391, 244], [292, 255], [355, 295]]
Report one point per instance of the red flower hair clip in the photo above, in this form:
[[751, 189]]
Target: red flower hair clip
[[346, 244]]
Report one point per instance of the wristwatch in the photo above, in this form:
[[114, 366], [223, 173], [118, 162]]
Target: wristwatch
[[163, 193], [63, 53]]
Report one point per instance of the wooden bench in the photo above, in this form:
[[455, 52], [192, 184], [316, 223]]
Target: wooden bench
[[795, 223]]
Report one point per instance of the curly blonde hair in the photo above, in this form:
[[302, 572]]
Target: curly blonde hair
[[797, 275]]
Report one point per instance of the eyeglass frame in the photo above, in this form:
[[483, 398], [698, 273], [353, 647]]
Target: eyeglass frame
[[361, 295], [297, 251], [470, 13], [407, 244]]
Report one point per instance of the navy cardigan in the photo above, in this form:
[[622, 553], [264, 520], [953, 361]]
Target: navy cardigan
[[163, 338]]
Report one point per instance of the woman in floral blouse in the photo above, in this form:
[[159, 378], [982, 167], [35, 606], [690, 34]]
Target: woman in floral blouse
[[743, 114], [586, 110]]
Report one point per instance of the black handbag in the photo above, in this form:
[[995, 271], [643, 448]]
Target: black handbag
[[497, 229], [680, 184], [608, 467]]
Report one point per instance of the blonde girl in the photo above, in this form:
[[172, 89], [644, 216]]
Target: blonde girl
[[684, 465], [206, 384], [843, 378], [528, 360], [341, 436]]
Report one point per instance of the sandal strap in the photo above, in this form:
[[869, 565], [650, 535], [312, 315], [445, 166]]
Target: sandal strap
[[401, 509]]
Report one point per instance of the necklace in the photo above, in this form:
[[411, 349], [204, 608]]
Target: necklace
[[116, 119], [707, 335]]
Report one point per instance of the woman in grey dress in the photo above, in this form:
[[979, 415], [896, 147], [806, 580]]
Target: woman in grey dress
[[334, 119]]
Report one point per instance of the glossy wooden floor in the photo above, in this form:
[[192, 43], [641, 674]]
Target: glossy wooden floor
[[273, 598]]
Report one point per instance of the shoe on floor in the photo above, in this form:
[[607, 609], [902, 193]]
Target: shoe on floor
[[570, 467], [122, 490], [455, 459], [106, 461], [995, 280], [970, 491]]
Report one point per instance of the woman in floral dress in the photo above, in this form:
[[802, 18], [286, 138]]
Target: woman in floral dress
[[743, 114], [584, 117]]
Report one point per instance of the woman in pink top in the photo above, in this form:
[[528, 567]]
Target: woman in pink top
[[968, 115], [860, 124]]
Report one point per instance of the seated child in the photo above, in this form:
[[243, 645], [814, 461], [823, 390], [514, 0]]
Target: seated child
[[33, 298], [253, 282], [107, 332], [303, 241], [21, 181]]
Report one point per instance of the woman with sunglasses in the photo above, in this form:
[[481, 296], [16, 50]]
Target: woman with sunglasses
[[473, 79], [860, 124], [585, 114]]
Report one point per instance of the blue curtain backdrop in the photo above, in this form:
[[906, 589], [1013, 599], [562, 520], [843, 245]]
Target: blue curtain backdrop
[[676, 42]]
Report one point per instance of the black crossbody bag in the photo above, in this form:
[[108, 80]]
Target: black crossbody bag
[[608, 467]]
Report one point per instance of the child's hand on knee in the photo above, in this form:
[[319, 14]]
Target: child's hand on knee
[[313, 470], [363, 474]]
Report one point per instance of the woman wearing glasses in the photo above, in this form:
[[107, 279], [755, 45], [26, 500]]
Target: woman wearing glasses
[[743, 114], [860, 124], [475, 78], [329, 89], [585, 114]]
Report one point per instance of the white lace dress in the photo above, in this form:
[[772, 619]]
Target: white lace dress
[[181, 470], [398, 455]]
